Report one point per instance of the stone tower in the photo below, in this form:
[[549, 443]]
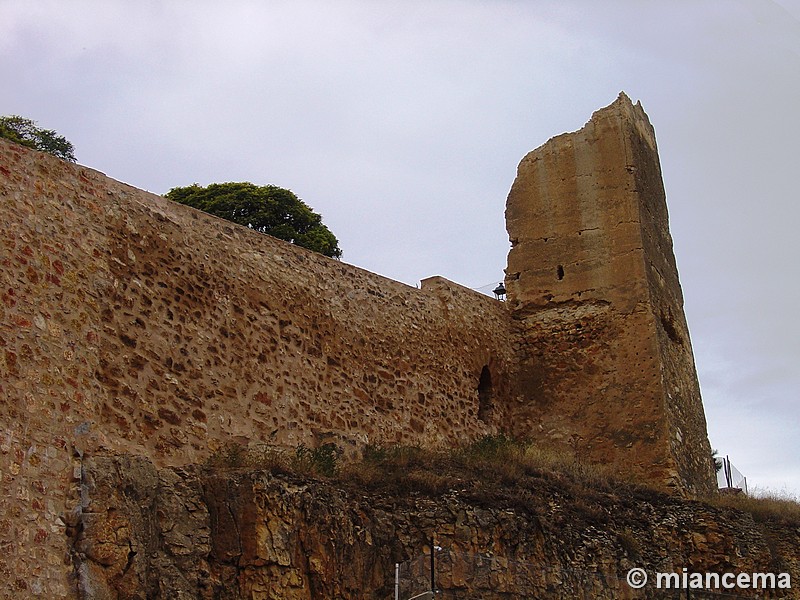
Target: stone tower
[[606, 362]]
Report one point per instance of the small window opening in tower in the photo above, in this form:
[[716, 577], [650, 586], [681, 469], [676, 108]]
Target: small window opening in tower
[[560, 272], [485, 395]]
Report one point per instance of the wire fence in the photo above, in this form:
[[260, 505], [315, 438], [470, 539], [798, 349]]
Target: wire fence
[[465, 576], [729, 477]]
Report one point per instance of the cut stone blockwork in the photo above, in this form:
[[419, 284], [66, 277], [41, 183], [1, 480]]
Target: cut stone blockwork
[[131, 324], [606, 362]]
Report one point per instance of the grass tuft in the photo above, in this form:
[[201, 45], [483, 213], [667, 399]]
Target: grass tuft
[[765, 506]]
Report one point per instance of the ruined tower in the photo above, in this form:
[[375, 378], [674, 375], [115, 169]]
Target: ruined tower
[[606, 362]]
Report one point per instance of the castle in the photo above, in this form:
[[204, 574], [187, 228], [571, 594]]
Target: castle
[[131, 324]]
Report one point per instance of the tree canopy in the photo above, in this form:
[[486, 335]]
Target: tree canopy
[[25, 132], [269, 209]]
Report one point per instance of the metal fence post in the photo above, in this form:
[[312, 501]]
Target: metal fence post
[[433, 568]]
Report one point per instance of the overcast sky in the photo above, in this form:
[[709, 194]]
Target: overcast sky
[[402, 123]]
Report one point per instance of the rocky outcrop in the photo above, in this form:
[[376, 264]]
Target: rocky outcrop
[[143, 532]]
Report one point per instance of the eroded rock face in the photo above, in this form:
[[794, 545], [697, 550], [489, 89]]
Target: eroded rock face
[[185, 533], [606, 360], [140, 532]]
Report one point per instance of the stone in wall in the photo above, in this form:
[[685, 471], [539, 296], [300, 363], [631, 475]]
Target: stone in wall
[[607, 366]]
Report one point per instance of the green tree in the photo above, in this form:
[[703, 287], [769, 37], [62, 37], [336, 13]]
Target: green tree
[[25, 132], [717, 460], [269, 209]]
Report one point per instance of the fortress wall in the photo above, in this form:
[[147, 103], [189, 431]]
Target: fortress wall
[[132, 324], [590, 274], [686, 422]]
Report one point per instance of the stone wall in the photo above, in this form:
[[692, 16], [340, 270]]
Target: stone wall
[[607, 362], [129, 323]]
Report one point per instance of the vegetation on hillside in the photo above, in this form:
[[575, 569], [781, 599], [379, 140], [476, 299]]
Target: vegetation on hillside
[[492, 471]]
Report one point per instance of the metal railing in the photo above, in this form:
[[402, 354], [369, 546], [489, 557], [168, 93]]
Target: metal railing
[[729, 477]]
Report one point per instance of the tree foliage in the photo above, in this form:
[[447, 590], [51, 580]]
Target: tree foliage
[[25, 132], [269, 209]]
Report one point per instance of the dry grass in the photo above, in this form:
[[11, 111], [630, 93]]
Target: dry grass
[[399, 470], [489, 470], [494, 471], [765, 506]]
